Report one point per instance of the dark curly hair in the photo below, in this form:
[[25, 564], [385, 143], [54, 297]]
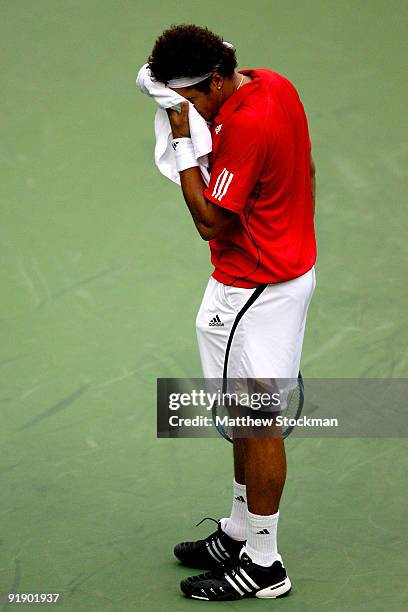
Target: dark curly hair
[[189, 50]]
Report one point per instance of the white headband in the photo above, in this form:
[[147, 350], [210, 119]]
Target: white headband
[[189, 81]]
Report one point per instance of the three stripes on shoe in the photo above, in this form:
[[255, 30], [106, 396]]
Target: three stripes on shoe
[[237, 576], [217, 550], [238, 579]]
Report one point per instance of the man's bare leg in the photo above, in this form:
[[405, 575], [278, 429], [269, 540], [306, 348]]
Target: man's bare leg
[[265, 473], [239, 460], [260, 464]]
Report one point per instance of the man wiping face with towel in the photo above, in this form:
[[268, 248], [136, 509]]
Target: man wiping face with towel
[[257, 214]]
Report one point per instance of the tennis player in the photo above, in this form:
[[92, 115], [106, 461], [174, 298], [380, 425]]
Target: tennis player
[[257, 214]]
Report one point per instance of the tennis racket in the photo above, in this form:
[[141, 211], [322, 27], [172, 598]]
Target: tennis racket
[[293, 410]]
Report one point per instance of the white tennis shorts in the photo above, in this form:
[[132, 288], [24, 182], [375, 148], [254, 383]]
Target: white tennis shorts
[[254, 333]]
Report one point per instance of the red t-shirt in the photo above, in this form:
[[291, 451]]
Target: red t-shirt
[[260, 169]]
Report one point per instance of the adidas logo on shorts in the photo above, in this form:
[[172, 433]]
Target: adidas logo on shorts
[[216, 322]]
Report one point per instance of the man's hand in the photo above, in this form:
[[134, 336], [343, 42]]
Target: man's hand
[[179, 121]]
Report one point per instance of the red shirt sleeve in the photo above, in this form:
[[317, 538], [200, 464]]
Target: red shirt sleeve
[[239, 159]]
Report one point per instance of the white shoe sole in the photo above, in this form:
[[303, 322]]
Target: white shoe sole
[[277, 590]]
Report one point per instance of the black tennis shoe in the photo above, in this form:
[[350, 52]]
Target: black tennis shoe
[[238, 580], [216, 549]]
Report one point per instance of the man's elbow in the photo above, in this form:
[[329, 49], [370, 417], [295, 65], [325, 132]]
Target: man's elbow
[[215, 222], [207, 232]]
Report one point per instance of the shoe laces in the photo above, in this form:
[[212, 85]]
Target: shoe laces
[[208, 518]]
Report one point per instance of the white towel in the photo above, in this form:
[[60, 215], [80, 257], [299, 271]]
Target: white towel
[[200, 133]]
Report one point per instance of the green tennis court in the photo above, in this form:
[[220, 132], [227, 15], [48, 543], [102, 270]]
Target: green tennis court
[[102, 274]]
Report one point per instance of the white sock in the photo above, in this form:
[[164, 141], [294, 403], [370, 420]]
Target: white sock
[[261, 546], [236, 525]]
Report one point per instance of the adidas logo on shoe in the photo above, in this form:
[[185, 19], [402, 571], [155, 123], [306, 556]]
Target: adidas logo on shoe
[[262, 531], [240, 499], [216, 322]]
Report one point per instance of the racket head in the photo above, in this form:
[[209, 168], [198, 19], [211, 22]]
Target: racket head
[[295, 402], [218, 412], [293, 410]]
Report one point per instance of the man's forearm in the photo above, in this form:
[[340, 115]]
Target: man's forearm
[[193, 187], [209, 219]]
